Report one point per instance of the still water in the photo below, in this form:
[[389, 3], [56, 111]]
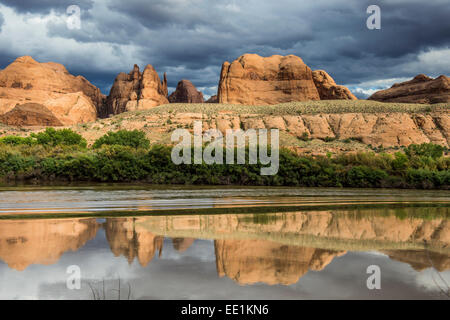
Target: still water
[[137, 242]]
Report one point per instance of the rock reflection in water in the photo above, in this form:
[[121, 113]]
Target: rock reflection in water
[[26, 242], [252, 261], [126, 237], [249, 248]]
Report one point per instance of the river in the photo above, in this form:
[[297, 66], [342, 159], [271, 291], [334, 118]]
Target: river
[[171, 242]]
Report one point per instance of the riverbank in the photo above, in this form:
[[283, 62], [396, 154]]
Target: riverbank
[[418, 167]]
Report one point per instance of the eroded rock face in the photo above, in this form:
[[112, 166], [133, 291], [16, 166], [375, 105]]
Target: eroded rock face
[[254, 80], [27, 242], [388, 129], [328, 89], [186, 92], [71, 99], [137, 91], [421, 89]]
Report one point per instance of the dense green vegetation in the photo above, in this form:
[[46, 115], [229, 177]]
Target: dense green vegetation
[[49, 137], [127, 156], [135, 139]]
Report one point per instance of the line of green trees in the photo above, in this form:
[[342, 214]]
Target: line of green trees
[[127, 156]]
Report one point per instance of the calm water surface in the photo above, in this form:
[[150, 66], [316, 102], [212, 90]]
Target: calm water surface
[[235, 243]]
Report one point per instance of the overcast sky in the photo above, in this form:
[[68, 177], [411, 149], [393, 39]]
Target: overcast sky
[[190, 39]]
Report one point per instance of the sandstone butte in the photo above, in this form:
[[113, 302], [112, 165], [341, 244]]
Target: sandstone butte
[[421, 89], [186, 92], [137, 91], [55, 95], [256, 80]]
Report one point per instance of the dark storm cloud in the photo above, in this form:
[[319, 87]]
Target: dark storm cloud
[[45, 6], [192, 38]]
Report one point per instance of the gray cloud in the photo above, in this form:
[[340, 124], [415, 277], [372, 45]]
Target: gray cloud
[[45, 6], [2, 21], [192, 38]]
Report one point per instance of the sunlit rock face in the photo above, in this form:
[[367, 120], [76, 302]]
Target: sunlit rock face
[[255, 80], [27, 242], [71, 99], [128, 239], [253, 261], [328, 89], [137, 91]]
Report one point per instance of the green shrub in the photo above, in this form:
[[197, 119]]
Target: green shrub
[[400, 162], [135, 139], [304, 136], [425, 149], [15, 140], [62, 137], [365, 177]]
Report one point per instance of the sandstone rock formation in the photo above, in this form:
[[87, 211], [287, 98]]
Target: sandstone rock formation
[[137, 91], [186, 92], [393, 129], [254, 80], [213, 99], [71, 99], [27, 242], [30, 114], [421, 89], [328, 89]]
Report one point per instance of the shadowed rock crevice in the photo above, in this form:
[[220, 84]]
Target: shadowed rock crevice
[[186, 92]]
